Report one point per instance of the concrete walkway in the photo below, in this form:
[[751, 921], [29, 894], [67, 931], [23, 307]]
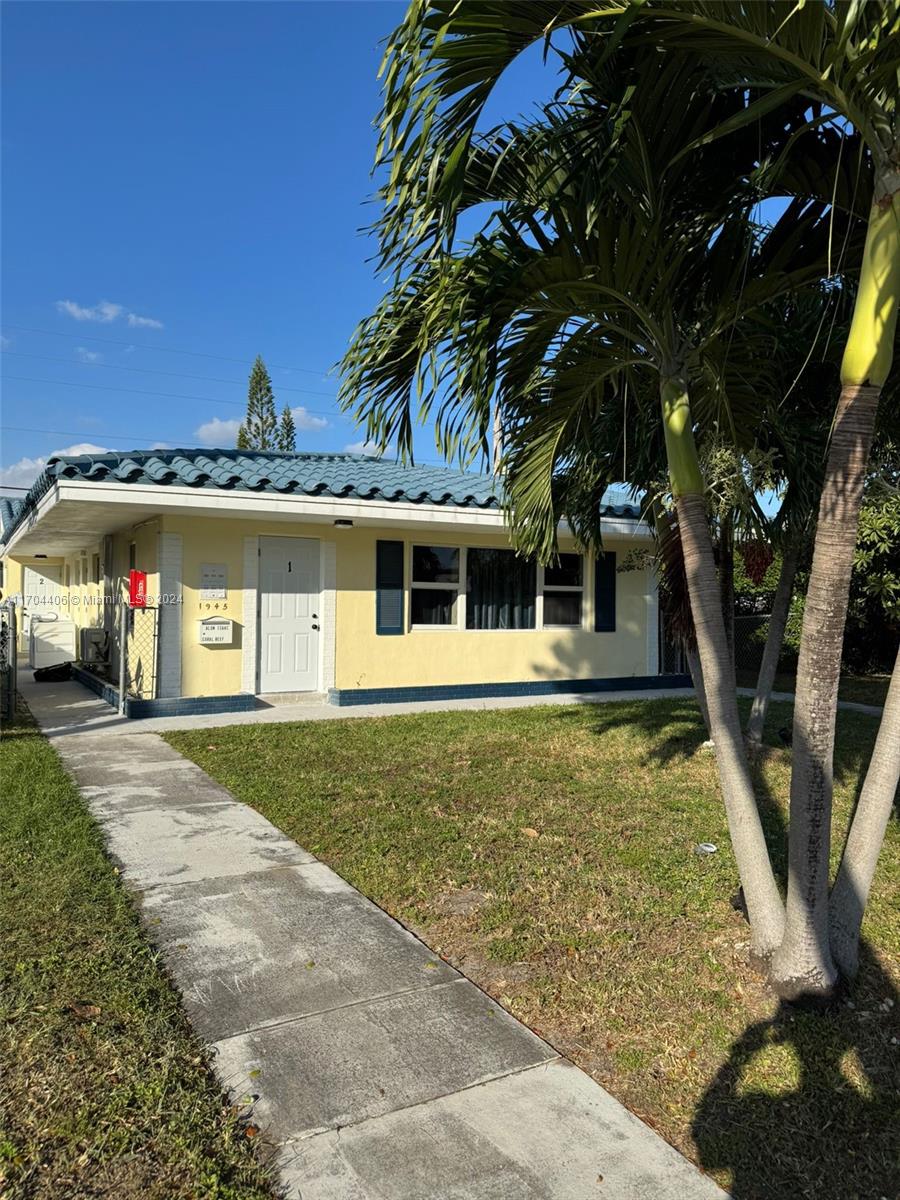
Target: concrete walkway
[[871, 710], [373, 1069], [75, 708]]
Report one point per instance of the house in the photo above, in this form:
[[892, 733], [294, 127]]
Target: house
[[335, 574]]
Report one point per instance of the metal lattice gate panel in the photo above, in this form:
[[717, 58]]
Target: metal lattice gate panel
[[142, 653]]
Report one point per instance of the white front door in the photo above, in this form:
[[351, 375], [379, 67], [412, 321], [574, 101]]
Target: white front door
[[41, 593], [289, 610]]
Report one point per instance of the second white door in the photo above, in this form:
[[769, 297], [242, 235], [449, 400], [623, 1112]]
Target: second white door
[[289, 606]]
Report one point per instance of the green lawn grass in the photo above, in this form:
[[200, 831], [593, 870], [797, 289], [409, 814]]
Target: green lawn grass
[[104, 1091], [549, 853]]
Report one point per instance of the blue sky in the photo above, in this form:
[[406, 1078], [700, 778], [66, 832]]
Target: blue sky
[[183, 177]]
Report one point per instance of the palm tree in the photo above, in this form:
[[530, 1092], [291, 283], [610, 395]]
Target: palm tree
[[812, 327], [840, 64], [603, 275]]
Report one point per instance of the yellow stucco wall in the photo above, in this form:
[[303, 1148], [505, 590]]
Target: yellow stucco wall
[[419, 657], [83, 600], [213, 670], [362, 658], [450, 655], [14, 586]]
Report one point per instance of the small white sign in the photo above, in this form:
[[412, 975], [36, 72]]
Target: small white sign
[[213, 581], [216, 631]]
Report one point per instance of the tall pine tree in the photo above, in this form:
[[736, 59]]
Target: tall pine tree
[[259, 430], [287, 434]]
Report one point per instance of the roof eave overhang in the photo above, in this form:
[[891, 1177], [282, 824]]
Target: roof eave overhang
[[119, 501]]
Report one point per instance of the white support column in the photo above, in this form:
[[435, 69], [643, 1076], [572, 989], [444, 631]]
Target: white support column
[[651, 598], [171, 613], [249, 602], [328, 640]]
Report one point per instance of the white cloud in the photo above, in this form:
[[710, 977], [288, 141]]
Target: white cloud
[[104, 312], [24, 472], [81, 448], [217, 432], [305, 420], [88, 356], [371, 448]]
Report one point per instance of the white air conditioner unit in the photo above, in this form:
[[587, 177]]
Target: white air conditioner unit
[[94, 646]]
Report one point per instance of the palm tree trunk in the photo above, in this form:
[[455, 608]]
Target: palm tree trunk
[[854, 879], [803, 965], [693, 662], [781, 608], [764, 905], [726, 578]]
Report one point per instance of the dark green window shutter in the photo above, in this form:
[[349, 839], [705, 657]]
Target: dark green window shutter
[[605, 594], [388, 587]]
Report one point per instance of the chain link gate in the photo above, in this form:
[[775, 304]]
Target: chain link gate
[[8, 660], [139, 666]]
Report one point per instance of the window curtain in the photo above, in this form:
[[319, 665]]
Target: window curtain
[[500, 590]]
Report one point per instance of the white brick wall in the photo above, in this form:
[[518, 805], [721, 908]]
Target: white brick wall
[[248, 639], [171, 616]]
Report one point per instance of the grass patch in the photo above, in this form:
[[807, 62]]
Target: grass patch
[[860, 689], [104, 1090], [548, 852]]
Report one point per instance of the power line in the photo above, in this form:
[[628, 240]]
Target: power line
[[185, 444], [91, 337], [110, 437], [68, 362], [100, 387]]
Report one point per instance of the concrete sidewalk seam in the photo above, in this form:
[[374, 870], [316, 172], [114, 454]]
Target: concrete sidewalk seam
[[436, 1099], [279, 1022]]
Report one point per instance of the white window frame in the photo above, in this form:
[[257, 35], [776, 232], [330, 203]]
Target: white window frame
[[579, 589], [459, 624], [458, 587]]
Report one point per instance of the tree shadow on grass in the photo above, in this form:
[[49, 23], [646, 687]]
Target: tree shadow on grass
[[807, 1104], [672, 730], [835, 1135]]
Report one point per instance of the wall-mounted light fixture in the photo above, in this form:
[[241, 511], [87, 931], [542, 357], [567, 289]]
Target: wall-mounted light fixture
[[343, 523]]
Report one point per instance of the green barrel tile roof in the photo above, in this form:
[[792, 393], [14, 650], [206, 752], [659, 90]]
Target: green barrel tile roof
[[10, 511], [343, 476]]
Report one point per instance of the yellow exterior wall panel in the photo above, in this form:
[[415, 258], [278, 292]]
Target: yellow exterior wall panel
[[418, 657]]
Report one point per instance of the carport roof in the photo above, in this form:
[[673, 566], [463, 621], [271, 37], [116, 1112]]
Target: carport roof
[[342, 476]]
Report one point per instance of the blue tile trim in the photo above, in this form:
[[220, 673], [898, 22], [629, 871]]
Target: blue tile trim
[[176, 706], [485, 691], [191, 706], [101, 687]]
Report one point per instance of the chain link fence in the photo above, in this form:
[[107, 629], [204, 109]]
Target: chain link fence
[[750, 634], [8, 660], [139, 670]]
